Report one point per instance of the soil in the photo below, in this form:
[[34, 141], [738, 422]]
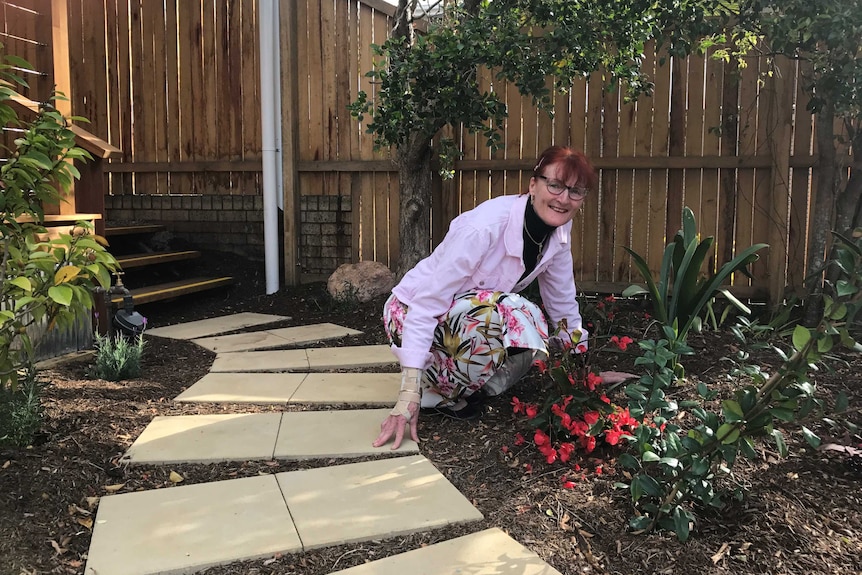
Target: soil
[[801, 515]]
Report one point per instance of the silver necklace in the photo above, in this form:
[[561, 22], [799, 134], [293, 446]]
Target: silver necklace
[[541, 244]]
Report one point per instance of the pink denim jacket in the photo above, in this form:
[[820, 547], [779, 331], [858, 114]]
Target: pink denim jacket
[[483, 249]]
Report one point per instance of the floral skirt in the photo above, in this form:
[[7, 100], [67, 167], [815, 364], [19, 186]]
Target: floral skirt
[[472, 339]]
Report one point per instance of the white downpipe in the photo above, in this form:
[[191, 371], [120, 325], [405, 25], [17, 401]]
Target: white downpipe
[[270, 104]]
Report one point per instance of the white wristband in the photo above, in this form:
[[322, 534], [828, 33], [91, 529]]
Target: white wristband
[[410, 392]]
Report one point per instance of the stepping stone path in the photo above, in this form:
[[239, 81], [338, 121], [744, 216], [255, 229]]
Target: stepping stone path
[[185, 529]]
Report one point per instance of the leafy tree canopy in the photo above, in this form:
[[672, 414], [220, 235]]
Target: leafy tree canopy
[[430, 80]]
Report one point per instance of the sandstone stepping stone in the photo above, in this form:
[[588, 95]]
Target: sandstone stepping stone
[[489, 552], [206, 438], [185, 529], [261, 437], [350, 388], [212, 326], [353, 356], [245, 361], [275, 338], [244, 388], [318, 434], [313, 388], [304, 359], [371, 500]]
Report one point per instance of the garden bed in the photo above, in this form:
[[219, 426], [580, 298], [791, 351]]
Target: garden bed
[[803, 514]]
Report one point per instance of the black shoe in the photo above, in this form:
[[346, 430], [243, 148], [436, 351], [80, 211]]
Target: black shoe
[[468, 412], [478, 397]]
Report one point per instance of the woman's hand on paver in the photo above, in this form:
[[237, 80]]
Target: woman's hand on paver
[[394, 425]]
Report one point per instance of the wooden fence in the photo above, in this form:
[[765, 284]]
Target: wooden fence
[[175, 85]]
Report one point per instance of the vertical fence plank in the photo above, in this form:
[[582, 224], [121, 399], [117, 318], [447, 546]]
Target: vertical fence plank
[[745, 176], [780, 143], [694, 109], [184, 15], [659, 178], [710, 204], [590, 211], [607, 201], [143, 94], [676, 145], [625, 193], [154, 42], [577, 133], [803, 131], [641, 224], [177, 183], [192, 117], [729, 147]]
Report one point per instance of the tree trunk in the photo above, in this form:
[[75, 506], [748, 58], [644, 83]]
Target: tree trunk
[[822, 216], [415, 174], [848, 200]]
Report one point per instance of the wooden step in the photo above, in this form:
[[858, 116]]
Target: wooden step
[[173, 289], [133, 229], [140, 260]]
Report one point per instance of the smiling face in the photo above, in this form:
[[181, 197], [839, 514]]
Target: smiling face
[[553, 210]]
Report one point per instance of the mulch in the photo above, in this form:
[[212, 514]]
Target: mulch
[[801, 515]]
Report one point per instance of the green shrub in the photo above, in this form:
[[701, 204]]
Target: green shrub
[[20, 412], [118, 357], [42, 282], [682, 291]]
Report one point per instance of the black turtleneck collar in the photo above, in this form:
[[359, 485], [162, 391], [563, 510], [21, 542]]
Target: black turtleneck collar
[[534, 229]]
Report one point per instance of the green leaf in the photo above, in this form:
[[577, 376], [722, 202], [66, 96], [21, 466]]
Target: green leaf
[[636, 489], [779, 443], [841, 402], [22, 283], [628, 461], [61, 294], [670, 461], [634, 290], [640, 522], [650, 456], [810, 437], [801, 336], [650, 486], [681, 524], [781, 413], [732, 410], [727, 433], [747, 448]]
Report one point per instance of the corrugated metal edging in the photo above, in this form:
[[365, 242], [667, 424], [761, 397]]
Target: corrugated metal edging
[[57, 342]]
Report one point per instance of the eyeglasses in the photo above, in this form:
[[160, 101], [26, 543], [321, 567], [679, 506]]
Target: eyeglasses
[[557, 187]]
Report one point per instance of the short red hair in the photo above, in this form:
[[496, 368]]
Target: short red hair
[[572, 164]]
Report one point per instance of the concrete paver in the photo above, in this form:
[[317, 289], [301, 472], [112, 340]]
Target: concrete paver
[[371, 500], [304, 359], [367, 388], [187, 528], [488, 552], [275, 338], [283, 360], [244, 388], [352, 356], [206, 438], [314, 332], [260, 437], [212, 326], [344, 433]]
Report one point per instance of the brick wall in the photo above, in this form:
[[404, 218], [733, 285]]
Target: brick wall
[[235, 224], [223, 223], [325, 233]]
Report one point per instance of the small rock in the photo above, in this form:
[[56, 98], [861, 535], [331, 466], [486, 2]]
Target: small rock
[[363, 281]]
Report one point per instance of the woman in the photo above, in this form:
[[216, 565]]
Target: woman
[[455, 321]]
